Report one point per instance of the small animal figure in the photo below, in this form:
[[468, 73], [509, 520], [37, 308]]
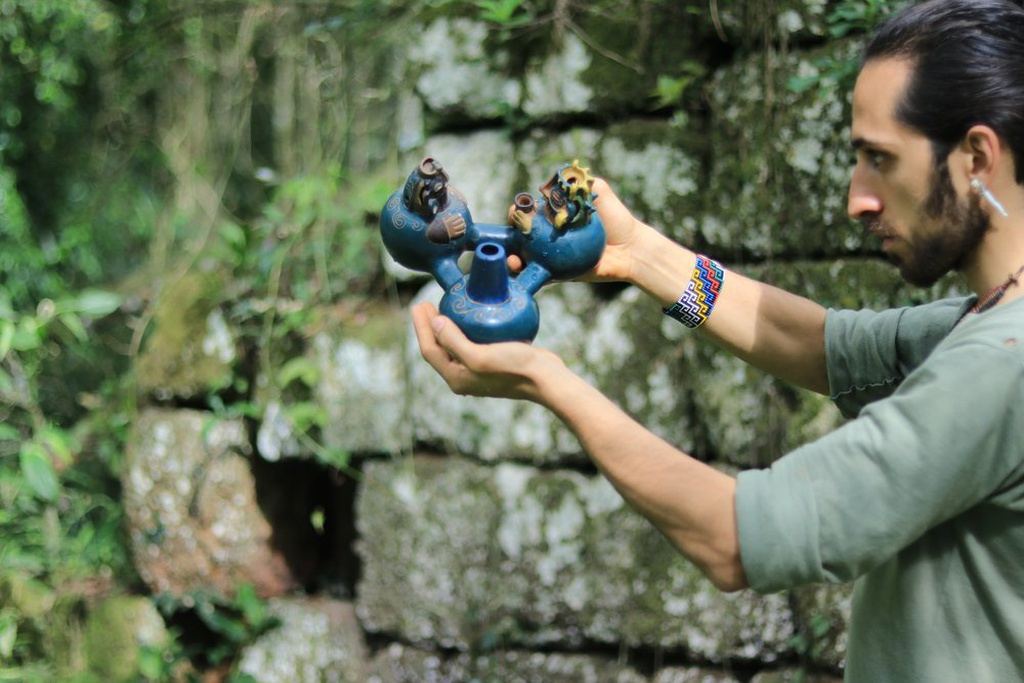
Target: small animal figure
[[568, 196]]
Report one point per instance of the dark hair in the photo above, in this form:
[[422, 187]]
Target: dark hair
[[968, 61]]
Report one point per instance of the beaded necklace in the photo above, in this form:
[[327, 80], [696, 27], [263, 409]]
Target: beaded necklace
[[993, 296]]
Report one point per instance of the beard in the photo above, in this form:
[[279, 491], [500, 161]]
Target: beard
[[947, 231]]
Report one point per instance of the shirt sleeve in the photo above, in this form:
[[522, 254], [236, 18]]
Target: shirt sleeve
[[870, 352], [835, 508]]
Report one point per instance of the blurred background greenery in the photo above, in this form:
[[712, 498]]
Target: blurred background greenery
[[134, 141]]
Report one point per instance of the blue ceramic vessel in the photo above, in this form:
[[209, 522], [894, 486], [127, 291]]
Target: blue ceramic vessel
[[427, 226]]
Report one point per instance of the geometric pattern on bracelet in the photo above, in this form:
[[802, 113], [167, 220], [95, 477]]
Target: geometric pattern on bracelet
[[697, 301]]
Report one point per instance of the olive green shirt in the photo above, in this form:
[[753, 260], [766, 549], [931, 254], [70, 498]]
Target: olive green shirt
[[920, 498]]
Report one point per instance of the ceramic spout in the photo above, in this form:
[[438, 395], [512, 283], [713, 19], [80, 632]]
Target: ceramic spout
[[488, 276]]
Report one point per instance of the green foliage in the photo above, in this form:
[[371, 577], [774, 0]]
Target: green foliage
[[22, 262], [831, 75], [850, 17], [671, 90], [811, 641], [859, 16], [59, 177], [232, 624], [315, 240], [41, 446], [83, 187], [45, 47], [504, 16], [51, 550], [60, 519], [505, 13]]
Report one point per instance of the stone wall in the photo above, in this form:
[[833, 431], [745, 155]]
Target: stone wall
[[471, 539]]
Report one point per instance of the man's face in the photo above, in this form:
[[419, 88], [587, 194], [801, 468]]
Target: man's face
[[927, 226]]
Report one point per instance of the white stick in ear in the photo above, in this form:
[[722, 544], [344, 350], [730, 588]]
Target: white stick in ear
[[980, 188]]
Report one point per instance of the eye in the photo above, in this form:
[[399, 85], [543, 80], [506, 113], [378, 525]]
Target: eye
[[874, 159]]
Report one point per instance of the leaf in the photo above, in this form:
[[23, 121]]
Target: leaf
[[75, 326], [37, 471], [26, 336], [6, 337], [254, 610], [317, 518], [306, 415], [57, 443], [233, 234], [299, 368], [799, 84], [223, 622], [334, 457], [151, 662], [500, 11], [92, 303], [8, 635]]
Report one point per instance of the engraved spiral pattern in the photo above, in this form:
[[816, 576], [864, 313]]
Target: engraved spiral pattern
[[399, 219], [467, 309]]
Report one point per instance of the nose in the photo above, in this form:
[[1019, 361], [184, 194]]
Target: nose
[[862, 201]]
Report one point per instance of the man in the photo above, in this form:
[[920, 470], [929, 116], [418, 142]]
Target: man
[[920, 499]]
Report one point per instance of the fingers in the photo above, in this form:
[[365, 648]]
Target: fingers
[[515, 263], [608, 204], [451, 339], [601, 188], [604, 194], [441, 341], [496, 370], [423, 315]]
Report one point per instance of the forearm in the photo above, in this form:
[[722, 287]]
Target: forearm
[[691, 503], [774, 330]]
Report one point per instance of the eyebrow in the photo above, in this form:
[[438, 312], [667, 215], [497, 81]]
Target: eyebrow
[[860, 143]]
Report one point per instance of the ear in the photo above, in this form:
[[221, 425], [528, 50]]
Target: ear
[[983, 152]]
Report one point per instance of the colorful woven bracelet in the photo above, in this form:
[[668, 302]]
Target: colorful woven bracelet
[[697, 301]]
